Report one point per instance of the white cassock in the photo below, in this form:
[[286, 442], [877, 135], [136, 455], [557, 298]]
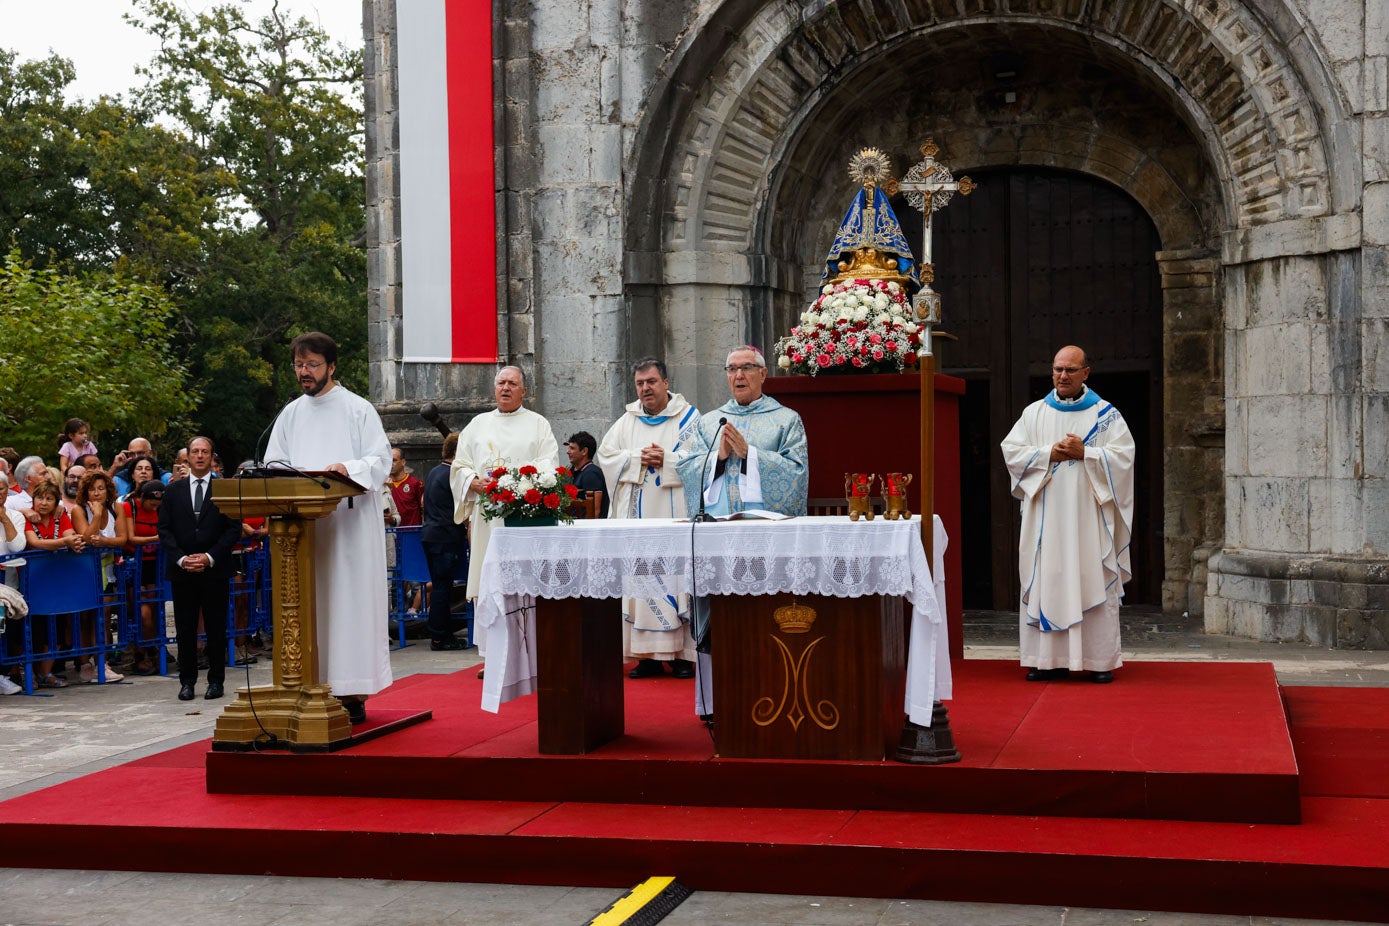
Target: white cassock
[[655, 625], [1077, 515], [490, 440], [312, 433]]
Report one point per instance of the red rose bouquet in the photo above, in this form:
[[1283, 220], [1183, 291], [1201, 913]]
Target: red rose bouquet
[[528, 492]]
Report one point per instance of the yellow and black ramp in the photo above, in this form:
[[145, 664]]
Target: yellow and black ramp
[[644, 905]]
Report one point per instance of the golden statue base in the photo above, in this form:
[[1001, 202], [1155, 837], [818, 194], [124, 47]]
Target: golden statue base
[[267, 717]]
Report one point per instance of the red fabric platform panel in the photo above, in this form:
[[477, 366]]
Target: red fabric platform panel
[[157, 813], [1169, 740]]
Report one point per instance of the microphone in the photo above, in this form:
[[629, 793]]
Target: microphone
[[262, 442], [702, 516]]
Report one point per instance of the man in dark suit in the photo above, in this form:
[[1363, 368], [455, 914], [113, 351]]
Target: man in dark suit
[[197, 541]]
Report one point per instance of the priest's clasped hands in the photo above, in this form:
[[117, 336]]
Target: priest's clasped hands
[[1068, 448], [732, 443]]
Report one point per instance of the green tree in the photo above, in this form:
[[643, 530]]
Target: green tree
[[90, 186], [273, 106], [96, 348]]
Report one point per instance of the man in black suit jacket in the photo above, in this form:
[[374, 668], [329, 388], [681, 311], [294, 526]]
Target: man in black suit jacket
[[197, 541]]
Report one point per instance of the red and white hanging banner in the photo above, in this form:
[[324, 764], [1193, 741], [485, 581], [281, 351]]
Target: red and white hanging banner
[[448, 217]]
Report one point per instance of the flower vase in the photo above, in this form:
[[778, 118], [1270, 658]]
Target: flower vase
[[544, 520]]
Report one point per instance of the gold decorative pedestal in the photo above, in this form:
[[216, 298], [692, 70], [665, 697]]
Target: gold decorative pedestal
[[297, 711]]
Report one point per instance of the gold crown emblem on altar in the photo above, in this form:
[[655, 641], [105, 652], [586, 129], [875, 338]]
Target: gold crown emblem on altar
[[794, 618]]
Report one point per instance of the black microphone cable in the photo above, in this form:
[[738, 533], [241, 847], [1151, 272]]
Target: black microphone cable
[[694, 579]]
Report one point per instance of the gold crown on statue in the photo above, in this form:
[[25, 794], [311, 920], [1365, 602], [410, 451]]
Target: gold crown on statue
[[794, 618]]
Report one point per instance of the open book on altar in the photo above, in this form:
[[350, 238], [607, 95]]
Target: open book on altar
[[750, 514]]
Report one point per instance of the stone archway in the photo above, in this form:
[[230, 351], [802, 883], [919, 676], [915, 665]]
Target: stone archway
[[737, 144]]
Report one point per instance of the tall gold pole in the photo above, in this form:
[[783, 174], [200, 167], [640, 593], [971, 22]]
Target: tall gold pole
[[928, 456]]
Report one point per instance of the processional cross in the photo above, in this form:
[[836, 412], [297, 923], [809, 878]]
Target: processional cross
[[929, 186]]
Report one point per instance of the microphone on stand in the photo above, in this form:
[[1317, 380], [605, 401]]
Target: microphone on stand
[[262, 442], [702, 516]]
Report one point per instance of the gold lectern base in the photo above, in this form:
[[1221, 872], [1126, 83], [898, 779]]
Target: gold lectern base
[[305, 719]]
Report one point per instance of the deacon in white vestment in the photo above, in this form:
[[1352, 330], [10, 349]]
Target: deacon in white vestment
[[637, 458], [1071, 459], [761, 462], [330, 428], [509, 436]]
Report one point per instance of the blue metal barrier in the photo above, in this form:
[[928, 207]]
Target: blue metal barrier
[[411, 568], [63, 589]]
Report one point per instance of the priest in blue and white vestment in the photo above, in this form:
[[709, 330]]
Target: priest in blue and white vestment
[[761, 461], [1071, 459], [638, 457]]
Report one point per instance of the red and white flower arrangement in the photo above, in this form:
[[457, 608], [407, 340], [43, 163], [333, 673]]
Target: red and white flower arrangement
[[864, 326], [528, 492]]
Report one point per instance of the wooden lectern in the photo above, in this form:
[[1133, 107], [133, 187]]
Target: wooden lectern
[[297, 710]]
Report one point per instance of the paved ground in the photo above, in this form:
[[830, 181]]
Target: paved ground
[[86, 728]]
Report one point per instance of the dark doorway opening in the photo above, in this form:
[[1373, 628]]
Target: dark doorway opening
[[1033, 260]]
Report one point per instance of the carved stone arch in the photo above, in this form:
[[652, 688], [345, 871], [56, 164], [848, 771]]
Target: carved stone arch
[[734, 87]]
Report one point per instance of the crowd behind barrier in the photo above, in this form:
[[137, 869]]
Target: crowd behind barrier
[[84, 605]]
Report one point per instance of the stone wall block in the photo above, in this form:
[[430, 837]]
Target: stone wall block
[[605, 164], [595, 212], [1375, 223], [1236, 437], [1288, 289], [558, 25], [520, 333], [605, 24], [1189, 355], [1273, 514], [1375, 135], [1356, 629], [1287, 435], [1374, 282], [566, 83], [1375, 506], [564, 153], [1374, 344], [549, 209], [1376, 83], [1278, 359], [1329, 514], [1376, 436], [518, 299], [1346, 438], [1236, 298], [564, 341], [610, 85]]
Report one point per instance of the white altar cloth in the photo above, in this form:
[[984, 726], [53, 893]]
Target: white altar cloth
[[806, 555]]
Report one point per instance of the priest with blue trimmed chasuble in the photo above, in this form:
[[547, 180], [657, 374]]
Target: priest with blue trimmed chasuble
[[1071, 457]]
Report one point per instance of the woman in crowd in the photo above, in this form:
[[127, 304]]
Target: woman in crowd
[[100, 522], [73, 443], [142, 470], [50, 530], [142, 532]]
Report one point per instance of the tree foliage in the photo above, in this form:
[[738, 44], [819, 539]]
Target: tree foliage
[[96, 348], [233, 179], [275, 107]]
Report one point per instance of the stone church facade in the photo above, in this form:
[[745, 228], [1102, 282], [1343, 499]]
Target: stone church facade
[[669, 173]]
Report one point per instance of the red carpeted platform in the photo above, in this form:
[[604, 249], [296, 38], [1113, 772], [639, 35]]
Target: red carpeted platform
[[157, 813], [1172, 741]]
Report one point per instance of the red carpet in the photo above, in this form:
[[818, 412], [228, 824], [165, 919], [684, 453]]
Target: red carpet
[[1203, 725], [1173, 741]]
